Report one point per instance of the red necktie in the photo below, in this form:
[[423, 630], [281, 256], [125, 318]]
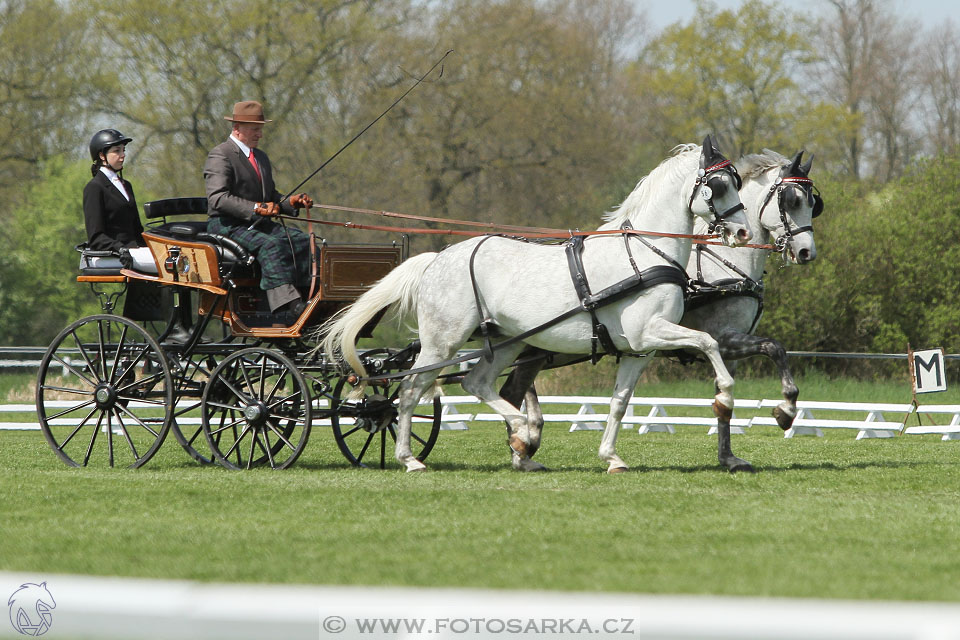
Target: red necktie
[[256, 168]]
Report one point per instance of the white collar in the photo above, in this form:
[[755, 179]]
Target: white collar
[[110, 173], [115, 180], [244, 149]]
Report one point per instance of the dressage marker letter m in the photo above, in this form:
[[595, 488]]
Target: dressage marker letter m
[[928, 371]]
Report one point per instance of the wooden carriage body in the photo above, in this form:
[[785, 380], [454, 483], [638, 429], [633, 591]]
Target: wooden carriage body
[[228, 284]]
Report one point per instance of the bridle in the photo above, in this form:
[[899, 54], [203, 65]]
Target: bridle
[[702, 185], [779, 186]]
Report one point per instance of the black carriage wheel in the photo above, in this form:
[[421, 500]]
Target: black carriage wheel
[[191, 378], [104, 393], [256, 410], [361, 427]]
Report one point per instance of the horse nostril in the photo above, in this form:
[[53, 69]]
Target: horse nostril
[[804, 256], [743, 235]]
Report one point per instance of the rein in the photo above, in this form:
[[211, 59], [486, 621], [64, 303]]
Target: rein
[[529, 233]]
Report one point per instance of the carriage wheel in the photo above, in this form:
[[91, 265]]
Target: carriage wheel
[[104, 393], [256, 410], [366, 429], [191, 378]]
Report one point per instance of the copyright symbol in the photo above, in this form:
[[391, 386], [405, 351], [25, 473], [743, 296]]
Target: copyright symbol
[[334, 624]]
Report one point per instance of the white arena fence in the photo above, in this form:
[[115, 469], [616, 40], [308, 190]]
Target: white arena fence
[[647, 415]]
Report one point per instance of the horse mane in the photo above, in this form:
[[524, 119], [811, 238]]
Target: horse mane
[[671, 166], [754, 165]]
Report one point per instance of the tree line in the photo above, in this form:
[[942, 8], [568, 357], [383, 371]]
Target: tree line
[[547, 114]]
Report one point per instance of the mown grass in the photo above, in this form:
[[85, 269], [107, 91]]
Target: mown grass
[[824, 517]]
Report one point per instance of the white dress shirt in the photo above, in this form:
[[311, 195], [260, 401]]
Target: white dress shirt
[[115, 179]]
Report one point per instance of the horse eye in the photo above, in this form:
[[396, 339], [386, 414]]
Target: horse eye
[[717, 185]]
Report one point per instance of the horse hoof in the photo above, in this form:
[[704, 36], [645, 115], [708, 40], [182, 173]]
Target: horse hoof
[[530, 466], [784, 419], [617, 470], [740, 465], [526, 464], [415, 465]]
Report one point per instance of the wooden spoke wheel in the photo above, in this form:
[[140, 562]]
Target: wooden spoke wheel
[[104, 393], [256, 410], [366, 429]]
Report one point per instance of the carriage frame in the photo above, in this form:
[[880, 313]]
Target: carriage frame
[[109, 390]]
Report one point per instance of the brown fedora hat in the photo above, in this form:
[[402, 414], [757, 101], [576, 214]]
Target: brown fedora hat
[[248, 111]]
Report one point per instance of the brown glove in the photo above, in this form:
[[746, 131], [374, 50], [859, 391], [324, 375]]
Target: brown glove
[[300, 201], [267, 209]]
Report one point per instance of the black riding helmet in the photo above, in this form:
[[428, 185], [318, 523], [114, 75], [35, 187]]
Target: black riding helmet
[[103, 140]]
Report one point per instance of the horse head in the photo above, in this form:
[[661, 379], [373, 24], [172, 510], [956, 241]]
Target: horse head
[[789, 204], [715, 195]]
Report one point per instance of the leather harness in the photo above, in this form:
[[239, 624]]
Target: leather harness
[[701, 293], [671, 273]]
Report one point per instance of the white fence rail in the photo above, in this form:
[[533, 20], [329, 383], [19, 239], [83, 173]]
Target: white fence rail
[[648, 415]]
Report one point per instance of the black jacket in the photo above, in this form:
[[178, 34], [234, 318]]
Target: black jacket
[[112, 222]]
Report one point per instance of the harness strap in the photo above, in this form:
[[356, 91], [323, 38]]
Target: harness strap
[[701, 292], [729, 265], [574, 251], [485, 319], [626, 226]]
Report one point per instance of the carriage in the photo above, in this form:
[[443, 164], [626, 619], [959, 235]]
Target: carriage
[[111, 386]]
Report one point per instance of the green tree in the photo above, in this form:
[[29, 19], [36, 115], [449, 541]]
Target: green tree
[[50, 81], [734, 73], [39, 293], [528, 121], [181, 74], [885, 272]]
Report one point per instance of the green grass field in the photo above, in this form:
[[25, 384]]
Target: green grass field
[[825, 517]]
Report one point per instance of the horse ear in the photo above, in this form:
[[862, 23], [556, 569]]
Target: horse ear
[[710, 154], [805, 169], [795, 163]]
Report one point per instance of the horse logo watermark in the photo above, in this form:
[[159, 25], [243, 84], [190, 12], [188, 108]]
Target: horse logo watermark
[[30, 607]]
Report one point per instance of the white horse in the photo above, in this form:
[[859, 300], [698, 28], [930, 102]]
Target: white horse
[[520, 293], [781, 203], [727, 296]]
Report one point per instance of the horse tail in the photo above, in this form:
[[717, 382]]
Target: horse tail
[[399, 287]]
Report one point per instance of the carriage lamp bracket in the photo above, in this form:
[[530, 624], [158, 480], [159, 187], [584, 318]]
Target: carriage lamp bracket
[[175, 263], [107, 300]]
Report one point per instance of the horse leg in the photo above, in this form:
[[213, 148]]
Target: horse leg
[[627, 376], [480, 382], [724, 450], [411, 390], [519, 388], [735, 345], [666, 335]]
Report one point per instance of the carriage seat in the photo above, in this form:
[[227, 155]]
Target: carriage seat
[[102, 264], [98, 263], [231, 256]]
